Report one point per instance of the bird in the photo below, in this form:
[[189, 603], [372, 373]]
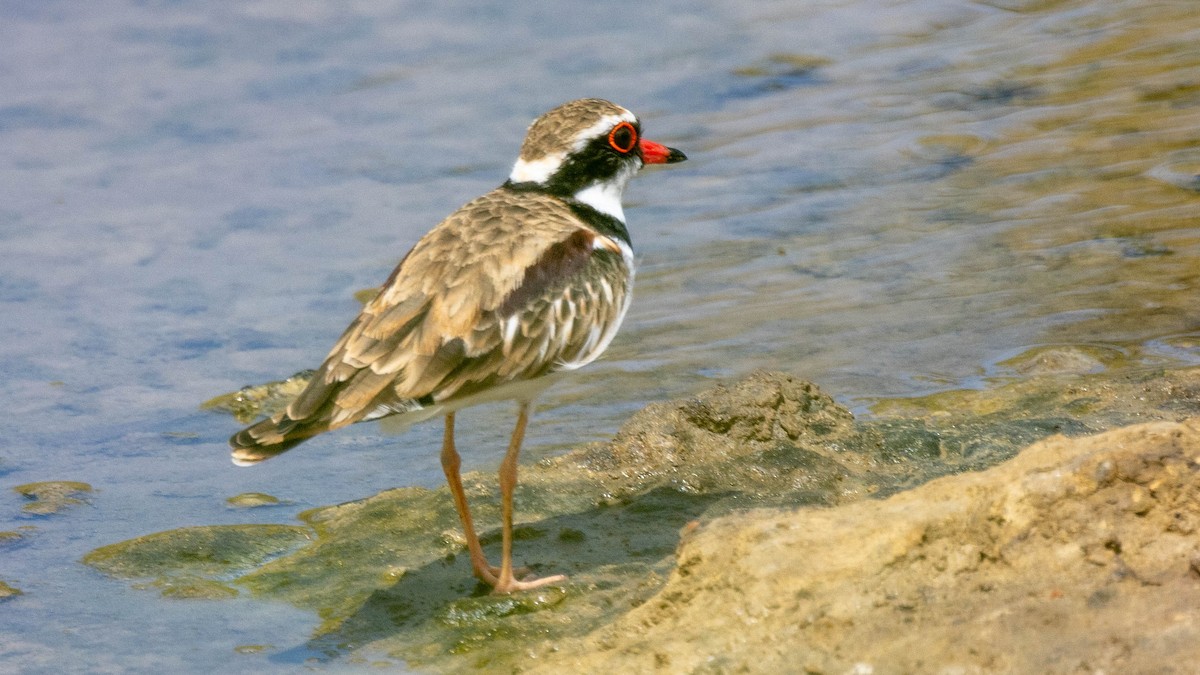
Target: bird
[[526, 281]]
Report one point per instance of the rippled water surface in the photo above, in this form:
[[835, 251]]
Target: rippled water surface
[[889, 199]]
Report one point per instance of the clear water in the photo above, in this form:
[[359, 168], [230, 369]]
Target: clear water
[[886, 198]]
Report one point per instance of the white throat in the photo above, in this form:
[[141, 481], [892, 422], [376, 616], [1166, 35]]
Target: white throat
[[605, 196]]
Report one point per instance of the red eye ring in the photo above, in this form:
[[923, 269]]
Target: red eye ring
[[623, 142]]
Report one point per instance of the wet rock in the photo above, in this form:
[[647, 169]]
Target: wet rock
[[1080, 403], [1036, 565], [1063, 360], [50, 497], [362, 547], [251, 401], [191, 588], [196, 561], [770, 436], [250, 500]]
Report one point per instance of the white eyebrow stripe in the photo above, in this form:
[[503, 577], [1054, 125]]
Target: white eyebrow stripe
[[601, 127]]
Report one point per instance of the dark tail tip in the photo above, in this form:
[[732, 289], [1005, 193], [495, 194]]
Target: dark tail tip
[[262, 441]]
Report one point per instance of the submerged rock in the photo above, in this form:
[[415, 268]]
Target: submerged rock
[[251, 401], [196, 562], [50, 497], [251, 500], [7, 591]]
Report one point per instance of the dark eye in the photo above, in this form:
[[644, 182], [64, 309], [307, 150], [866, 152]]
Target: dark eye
[[623, 138]]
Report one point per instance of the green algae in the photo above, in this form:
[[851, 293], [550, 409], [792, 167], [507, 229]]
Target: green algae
[[434, 615], [51, 497], [196, 562], [190, 588]]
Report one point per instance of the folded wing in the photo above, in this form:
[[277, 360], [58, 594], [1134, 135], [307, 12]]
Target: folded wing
[[500, 292]]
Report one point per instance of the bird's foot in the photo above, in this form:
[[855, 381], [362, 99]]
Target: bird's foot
[[520, 579], [527, 583]]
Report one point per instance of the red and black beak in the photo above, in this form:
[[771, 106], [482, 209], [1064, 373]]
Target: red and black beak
[[657, 153]]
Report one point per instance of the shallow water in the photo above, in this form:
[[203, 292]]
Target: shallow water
[[889, 200]]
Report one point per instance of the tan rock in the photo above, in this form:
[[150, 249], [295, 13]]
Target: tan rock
[[1078, 555]]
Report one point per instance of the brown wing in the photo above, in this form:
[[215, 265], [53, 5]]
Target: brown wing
[[502, 290]]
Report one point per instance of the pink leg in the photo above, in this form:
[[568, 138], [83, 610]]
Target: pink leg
[[450, 465], [506, 583]]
